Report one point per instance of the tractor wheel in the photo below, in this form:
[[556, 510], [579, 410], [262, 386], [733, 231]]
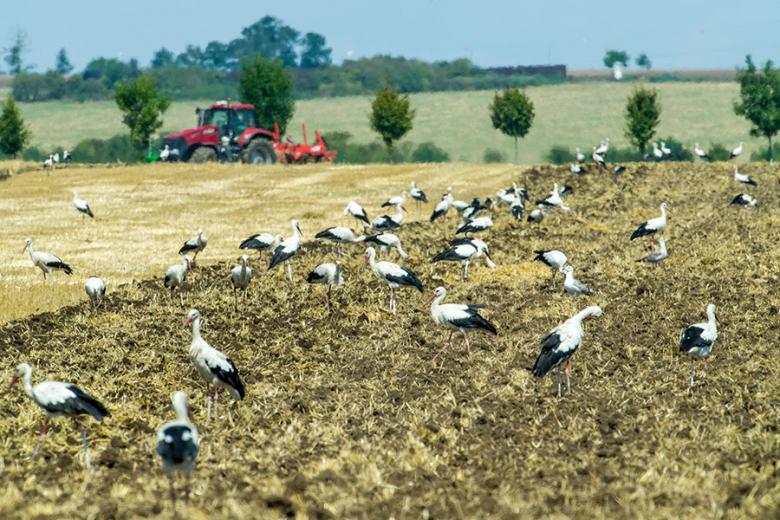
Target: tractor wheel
[[203, 154], [259, 151]]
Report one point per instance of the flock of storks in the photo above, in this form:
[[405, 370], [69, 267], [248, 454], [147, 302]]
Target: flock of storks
[[178, 440]]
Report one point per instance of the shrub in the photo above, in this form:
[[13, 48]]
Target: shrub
[[559, 154], [679, 151], [491, 155], [619, 155], [428, 152], [761, 153], [718, 152], [119, 148]]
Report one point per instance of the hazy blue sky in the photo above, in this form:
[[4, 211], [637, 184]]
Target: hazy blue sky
[[674, 33]]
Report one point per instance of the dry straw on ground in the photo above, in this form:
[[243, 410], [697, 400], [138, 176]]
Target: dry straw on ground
[[346, 416]]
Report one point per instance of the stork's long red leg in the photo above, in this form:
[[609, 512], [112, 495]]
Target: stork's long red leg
[[566, 373], [41, 439], [466, 341]]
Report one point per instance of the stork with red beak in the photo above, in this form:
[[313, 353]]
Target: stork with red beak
[[457, 317], [287, 249], [393, 275]]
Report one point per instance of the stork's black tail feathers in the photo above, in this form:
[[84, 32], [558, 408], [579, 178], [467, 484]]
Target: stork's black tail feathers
[[88, 404]]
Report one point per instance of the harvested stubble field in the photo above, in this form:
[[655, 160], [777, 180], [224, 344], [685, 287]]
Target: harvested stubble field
[[346, 416]]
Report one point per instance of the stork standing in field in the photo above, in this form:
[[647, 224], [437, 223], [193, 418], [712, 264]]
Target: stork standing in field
[[176, 277], [49, 163], [46, 262], [554, 200], [560, 344], [553, 259], [665, 149], [442, 208], [385, 241], [700, 153], [474, 209], [697, 340], [652, 226], [418, 195], [339, 235], [573, 286], [96, 291], [66, 158], [178, 443], [216, 369], [603, 147], [579, 155], [736, 152], [393, 275], [465, 251], [742, 178], [355, 210], [59, 399], [658, 155], [657, 256], [82, 206], [457, 317], [287, 249], [599, 159], [329, 274], [261, 242], [240, 276], [195, 245]]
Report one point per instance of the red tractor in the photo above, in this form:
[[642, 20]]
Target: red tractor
[[228, 132]]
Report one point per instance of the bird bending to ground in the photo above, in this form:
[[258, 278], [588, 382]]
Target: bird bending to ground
[[58, 399], [82, 206], [395, 201], [387, 222], [386, 241], [742, 178], [287, 249], [697, 340], [176, 277], [355, 210], [652, 226], [195, 245], [476, 225], [261, 242], [573, 286], [393, 275], [537, 214], [465, 251], [96, 290], [517, 208], [743, 199], [339, 235], [736, 152], [329, 274], [457, 317], [577, 169], [177, 444], [214, 367], [553, 259], [46, 262], [657, 256], [560, 344], [240, 276], [618, 169]]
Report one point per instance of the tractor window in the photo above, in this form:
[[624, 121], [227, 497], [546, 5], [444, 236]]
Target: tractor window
[[241, 120], [218, 118]]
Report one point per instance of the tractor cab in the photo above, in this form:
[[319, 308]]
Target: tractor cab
[[230, 120]]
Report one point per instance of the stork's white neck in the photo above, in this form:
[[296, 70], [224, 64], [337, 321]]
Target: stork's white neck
[[711, 316], [196, 328], [27, 382], [180, 408]]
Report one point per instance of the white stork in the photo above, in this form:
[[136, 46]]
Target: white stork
[[665, 149], [743, 199], [598, 159], [736, 152], [339, 235], [457, 317], [657, 153], [385, 241], [195, 245], [165, 153], [465, 251], [261, 242], [287, 249], [59, 399], [700, 153], [657, 256], [176, 276], [573, 286], [560, 344], [476, 225], [474, 209], [393, 275], [395, 201], [697, 340], [46, 262], [329, 274], [618, 169], [82, 206], [216, 369], [652, 226], [442, 208], [603, 147], [355, 210], [742, 178], [537, 214], [178, 443], [96, 290], [552, 258], [49, 163], [418, 194], [388, 222], [579, 155], [66, 158], [240, 276], [577, 169], [554, 200], [517, 208]]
